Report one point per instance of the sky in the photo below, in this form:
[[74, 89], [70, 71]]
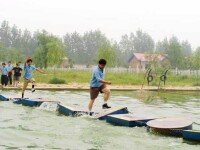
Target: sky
[[159, 18]]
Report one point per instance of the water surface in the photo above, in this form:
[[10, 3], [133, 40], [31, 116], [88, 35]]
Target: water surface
[[38, 128]]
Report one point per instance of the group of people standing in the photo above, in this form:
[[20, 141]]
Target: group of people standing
[[9, 72]]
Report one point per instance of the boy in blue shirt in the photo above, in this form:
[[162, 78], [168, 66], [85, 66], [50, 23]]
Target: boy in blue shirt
[[4, 75], [98, 84], [28, 78], [9, 68]]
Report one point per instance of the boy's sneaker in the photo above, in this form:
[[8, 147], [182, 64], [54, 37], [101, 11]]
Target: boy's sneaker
[[105, 106], [33, 90], [90, 113]]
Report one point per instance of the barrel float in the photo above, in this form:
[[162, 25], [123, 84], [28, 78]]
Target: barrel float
[[112, 111], [192, 135], [71, 111], [4, 98], [170, 126], [128, 120], [31, 102]]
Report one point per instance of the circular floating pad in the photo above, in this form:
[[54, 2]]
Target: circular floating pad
[[170, 126], [170, 123]]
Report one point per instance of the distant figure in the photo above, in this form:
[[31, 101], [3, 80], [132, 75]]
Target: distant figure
[[9, 67], [4, 75], [28, 78], [22, 67], [98, 84], [17, 73]]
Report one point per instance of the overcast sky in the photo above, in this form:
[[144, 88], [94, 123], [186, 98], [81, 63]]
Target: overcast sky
[[159, 18]]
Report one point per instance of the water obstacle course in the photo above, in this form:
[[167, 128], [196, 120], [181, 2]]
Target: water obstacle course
[[180, 127]]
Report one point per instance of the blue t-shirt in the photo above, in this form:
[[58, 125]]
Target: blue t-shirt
[[28, 71], [97, 76], [9, 68], [4, 71]]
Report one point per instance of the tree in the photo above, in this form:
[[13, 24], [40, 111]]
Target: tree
[[126, 46], [107, 52], [162, 47], [15, 55], [143, 42], [186, 48], [50, 50], [175, 53], [92, 42], [196, 59], [55, 53], [3, 53], [5, 34]]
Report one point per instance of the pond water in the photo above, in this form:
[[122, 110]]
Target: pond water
[[38, 128]]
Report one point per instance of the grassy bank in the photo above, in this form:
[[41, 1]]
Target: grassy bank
[[116, 78]]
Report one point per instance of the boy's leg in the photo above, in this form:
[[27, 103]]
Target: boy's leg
[[94, 92], [24, 87], [10, 78], [33, 85], [16, 81], [2, 80], [91, 105], [106, 92], [6, 80]]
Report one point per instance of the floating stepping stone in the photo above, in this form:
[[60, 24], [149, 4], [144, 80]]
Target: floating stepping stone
[[31, 102], [4, 98], [112, 111], [193, 135], [128, 120], [71, 111], [170, 126]]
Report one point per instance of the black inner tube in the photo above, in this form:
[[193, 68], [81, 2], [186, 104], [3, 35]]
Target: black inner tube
[[163, 78], [150, 78]]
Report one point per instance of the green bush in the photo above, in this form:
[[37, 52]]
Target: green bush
[[57, 81], [196, 84]]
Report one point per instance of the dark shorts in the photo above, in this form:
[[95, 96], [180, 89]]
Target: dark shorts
[[4, 80], [16, 78], [94, 91]]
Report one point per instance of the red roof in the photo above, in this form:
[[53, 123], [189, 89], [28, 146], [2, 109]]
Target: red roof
[[149, 57]]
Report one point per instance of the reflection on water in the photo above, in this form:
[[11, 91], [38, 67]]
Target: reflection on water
[[43, 128]]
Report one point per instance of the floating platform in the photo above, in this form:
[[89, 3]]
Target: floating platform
[[112, 111], [71, 111], [3, 98], [128, 120], [192, 135], [31, 102], [170, 126]]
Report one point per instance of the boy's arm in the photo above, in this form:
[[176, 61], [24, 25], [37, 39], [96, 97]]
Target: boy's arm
[[101, 80], [39, 70], [24, 65], [105, 82]]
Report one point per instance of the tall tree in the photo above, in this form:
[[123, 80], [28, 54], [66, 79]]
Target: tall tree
[[143, 42], [162, 47], [55, 53], [106, 51], [5, 34], [186, 48], [49, 51], [92, 42], [196, 59], [175, 53], [74, 46]]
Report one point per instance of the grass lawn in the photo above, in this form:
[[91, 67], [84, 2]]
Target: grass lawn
[[116, 78]]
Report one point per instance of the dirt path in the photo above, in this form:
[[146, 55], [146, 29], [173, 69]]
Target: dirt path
[[76, 86]]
